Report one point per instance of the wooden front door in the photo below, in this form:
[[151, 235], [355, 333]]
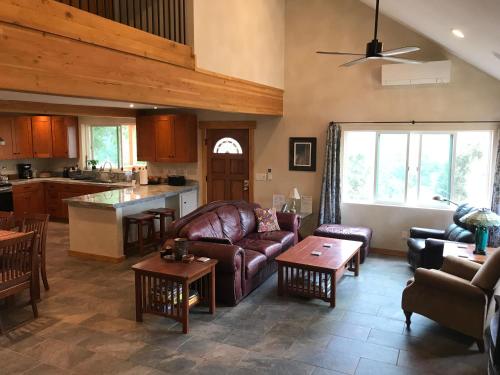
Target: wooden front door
[[227, 164]]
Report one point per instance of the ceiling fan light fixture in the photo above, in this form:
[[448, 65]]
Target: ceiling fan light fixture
[[458, 33]]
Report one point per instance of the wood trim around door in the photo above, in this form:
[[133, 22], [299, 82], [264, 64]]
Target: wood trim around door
[[208, 125]]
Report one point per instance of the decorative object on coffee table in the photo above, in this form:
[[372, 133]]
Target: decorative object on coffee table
[[300, 272], [180, 248], [482, 219], [302, 154], [171, 288]]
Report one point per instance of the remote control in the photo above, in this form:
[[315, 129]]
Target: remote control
[[316, 253], [327, 245], [203, 259]]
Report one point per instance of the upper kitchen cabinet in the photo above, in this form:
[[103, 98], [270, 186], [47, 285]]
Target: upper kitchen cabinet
[[41, 127], [22, 141], [6, 136], [64, 137], [167, 138]]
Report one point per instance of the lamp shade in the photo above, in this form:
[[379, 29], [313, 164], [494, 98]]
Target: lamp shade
[[481, 218], [294, 194]]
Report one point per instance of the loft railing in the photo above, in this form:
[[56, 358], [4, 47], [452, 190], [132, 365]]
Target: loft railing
[[165, 18]]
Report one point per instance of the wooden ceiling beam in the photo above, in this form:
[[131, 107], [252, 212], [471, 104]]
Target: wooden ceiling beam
[[36, 108]]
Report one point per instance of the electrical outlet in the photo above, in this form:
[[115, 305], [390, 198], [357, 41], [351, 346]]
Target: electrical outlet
[[260, 177]]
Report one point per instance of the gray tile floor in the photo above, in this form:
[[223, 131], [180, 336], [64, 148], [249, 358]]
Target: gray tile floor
[[87, 326]]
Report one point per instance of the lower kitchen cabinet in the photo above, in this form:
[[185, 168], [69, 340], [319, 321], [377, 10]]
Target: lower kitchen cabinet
[[47, 197]]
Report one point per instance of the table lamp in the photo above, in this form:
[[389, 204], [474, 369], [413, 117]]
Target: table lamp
[[482, 219], [294, 195]]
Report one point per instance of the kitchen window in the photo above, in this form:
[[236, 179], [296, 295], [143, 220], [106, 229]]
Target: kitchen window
[[410, 168], [116, 144]]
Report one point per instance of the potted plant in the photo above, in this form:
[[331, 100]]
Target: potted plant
[[93, 163]]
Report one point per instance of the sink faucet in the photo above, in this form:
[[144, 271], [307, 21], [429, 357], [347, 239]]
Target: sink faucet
[[110, 166]]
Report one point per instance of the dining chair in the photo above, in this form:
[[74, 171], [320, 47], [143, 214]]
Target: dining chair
[[18, 268], [38, 223], [7, 220]]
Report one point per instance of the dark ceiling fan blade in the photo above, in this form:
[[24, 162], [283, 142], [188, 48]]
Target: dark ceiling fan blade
[[340, 53], [399, 51], [354, 62], [398, 60]]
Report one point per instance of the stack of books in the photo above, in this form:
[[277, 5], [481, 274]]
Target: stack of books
[[165, 299]]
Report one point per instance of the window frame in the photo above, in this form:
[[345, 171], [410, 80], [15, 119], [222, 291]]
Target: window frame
[[89, 149], [453, 149]]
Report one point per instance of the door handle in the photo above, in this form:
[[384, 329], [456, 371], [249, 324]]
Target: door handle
[[246, 185]]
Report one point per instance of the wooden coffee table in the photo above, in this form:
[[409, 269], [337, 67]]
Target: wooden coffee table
[[164, 288], [466, 251], [301, 273]]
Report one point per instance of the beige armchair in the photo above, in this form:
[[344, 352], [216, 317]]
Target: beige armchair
[[457, 296]]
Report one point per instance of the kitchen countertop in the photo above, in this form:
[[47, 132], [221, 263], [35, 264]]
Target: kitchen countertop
[[129, 196], [69, 181]]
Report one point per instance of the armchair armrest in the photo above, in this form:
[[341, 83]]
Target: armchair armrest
[[416, 232], [231, 258], [289, 222], [460, 267], [447, 283]]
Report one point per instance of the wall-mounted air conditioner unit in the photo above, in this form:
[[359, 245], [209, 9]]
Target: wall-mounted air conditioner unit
[[416, 74]]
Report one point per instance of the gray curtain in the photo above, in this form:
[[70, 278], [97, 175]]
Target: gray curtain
[[329, 209], [494, 239]]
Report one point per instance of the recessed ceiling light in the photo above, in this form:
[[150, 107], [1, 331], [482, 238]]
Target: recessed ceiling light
[[155, 107], [458, 33], [131, 105]]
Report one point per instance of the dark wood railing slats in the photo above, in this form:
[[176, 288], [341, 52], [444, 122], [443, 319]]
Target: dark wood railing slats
[[165, 18]]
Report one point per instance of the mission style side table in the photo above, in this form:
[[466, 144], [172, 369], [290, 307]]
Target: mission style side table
[[171, 289]]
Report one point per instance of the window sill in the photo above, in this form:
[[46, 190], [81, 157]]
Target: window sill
[[395, 205]]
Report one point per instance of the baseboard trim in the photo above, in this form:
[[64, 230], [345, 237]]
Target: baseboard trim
[[99, 258], [389, 252]]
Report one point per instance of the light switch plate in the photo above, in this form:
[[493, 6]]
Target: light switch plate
[[260, 177]]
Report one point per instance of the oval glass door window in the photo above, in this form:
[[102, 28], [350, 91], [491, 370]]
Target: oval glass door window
[[227, 146]]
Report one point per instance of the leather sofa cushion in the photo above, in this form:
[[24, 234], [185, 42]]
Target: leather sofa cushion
[[489, 273], [459, 234], [206, 225], [270, 249], [247, 219], [254, 262], [230, 220], [283, 237]]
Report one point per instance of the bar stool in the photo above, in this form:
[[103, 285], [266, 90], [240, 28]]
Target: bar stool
[[162, 214], [140, 220]]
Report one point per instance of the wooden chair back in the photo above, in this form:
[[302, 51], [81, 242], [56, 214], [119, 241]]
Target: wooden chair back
[[17, 262], [7, 220], [37, 223]]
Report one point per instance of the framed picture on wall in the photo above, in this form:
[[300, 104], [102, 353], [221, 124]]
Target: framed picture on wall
[[302, 154]]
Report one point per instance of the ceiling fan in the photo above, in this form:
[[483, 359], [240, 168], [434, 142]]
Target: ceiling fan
[[374, 50]]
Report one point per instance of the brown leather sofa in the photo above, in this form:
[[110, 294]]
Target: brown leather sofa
[[458, 296], [227, 231]]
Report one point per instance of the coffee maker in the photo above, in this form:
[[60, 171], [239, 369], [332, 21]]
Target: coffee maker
[[24, 171]]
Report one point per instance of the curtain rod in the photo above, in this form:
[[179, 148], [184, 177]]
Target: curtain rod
[[413, 122]]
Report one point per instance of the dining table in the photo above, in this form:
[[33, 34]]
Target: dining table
[[9, 235]]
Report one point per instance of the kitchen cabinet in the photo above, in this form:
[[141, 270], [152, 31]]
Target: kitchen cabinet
[[167, 138], [22, 140], [64, 131], [41, 127], [6, 135], [28, 199]]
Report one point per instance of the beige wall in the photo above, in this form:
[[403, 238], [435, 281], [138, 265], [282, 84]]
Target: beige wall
[[317, 92], [241, 38]]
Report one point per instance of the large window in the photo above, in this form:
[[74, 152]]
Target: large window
[[114, 143], [413, 167]]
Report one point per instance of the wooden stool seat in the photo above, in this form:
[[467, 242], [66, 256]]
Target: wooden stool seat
[[140, 220], [162, 214]]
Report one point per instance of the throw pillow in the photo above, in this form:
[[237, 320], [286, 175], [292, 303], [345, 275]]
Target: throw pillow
[[266, 220]]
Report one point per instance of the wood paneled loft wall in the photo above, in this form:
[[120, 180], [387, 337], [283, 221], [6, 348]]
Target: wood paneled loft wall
[[52, 48]]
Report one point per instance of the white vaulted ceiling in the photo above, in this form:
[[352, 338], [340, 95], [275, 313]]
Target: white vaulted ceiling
[[479, 20]]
